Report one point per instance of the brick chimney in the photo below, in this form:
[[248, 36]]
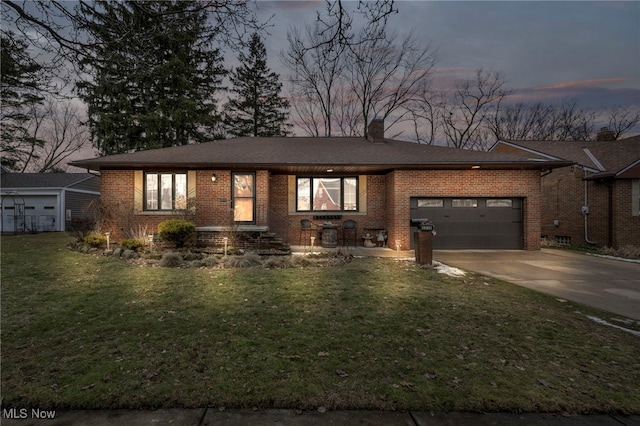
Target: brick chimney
[[605, 134], [375, 131]]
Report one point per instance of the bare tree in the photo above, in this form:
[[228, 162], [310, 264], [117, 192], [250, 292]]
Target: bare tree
[[570, 122], [540, 121], [386, 76], [468, 109], [314, 76], [347, 112], [337, 26], [352, 76], [623, 119], [58, 124], [522, 122], [425, 111]]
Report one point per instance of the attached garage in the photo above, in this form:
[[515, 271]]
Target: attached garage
[[473, 222]]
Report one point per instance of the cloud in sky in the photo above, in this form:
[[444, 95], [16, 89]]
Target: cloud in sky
[[584, 83]]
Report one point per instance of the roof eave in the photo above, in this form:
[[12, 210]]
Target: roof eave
[[460, 165]]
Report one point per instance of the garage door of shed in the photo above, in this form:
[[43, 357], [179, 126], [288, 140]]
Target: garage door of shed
[[472, 223]]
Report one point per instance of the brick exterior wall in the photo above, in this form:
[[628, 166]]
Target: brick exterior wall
[[213, 199], [280, 193], [386, 200], [563, 195], [626, 229]]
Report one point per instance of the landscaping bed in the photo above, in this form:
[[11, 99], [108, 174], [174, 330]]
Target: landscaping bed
[[86, 331], [211, 257]]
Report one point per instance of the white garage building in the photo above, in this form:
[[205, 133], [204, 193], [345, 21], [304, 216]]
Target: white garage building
[[45, 202]]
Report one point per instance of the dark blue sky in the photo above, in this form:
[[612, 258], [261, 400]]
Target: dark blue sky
[[584, 50]]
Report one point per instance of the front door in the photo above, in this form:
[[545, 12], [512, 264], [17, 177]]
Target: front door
[[244, 197]]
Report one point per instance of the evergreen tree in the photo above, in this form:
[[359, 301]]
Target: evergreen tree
[[20, 90], [154, 73], [258, 109]]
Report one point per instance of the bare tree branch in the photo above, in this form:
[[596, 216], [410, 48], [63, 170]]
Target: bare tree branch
[[472, 104], [622, 119]]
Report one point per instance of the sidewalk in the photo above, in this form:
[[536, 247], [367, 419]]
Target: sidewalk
[[216, 417]]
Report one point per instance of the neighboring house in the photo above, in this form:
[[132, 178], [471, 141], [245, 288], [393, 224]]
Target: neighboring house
[[594, 201], [476, 199], [39, 202]]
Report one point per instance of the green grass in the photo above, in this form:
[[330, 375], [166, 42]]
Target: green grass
[[89, 332]]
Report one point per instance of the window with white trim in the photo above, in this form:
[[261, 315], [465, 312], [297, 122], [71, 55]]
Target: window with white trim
[[326, 194], [165, 191]]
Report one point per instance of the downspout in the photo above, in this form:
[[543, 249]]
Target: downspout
[[585, 209], [610, 221]]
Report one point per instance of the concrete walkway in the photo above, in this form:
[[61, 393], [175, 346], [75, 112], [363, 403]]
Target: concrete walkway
[[215, 417], [608, 284]]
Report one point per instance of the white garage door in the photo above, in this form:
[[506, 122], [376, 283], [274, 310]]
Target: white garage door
[[30, 213]]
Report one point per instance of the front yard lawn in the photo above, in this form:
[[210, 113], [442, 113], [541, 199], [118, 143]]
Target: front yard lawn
[[90, 332]]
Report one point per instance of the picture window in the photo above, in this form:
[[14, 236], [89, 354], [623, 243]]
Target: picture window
[[165, 191], [327, 194]]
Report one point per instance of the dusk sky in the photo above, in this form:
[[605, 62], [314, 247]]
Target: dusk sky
[[585, 50]]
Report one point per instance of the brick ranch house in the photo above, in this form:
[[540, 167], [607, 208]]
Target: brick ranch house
[[476, 199], [596, 199]]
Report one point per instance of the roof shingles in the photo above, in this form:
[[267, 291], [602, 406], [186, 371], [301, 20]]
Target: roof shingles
[[278, 152], [613, 156], [42, 180]]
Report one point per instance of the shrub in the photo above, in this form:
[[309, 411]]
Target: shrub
[[628, 251], [278, 262], [81, 228], [249, 260], [210, 261], [171, 260], [304, 261], [96, 240], [132, 244], [177, 231]]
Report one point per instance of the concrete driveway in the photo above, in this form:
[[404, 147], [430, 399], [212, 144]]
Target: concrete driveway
[[607, 284]]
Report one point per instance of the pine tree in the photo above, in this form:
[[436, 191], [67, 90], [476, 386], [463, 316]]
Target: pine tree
[[154, 73], [257, 109], [21, 89]]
